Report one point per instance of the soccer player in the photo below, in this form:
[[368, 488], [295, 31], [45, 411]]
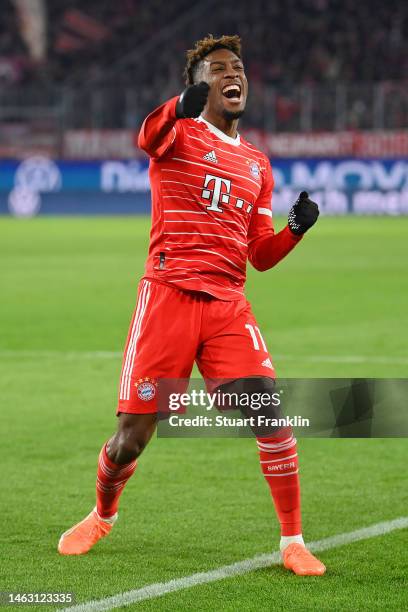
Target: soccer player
[[211, 211]]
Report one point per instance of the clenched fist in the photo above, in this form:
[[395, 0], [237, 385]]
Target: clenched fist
[[303, 214], [192, 100]]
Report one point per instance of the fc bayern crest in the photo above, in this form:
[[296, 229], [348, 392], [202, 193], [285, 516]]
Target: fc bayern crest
[[146, 389], [254, 169]]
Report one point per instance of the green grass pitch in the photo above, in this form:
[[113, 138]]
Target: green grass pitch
[[335, 307]]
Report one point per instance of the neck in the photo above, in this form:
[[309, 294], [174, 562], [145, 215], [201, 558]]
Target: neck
[[228, 126]]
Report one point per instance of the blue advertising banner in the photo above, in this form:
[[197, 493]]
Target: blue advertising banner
[[340, 186]]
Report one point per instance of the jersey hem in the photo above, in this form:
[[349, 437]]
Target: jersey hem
[[179, 287]]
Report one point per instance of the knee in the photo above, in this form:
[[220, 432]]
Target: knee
[[126, 446], [255, 397], [248, 391]]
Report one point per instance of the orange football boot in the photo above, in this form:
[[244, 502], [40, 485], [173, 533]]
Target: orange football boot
[[297, 558], [81, 537]]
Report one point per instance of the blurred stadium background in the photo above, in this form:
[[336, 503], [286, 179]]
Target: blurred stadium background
[[329, 105], [328, 98]]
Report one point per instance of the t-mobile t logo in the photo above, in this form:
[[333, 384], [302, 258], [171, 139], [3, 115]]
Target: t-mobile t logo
[[215, 185]]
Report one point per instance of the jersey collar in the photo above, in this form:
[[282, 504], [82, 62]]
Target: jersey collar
[[228, 139]]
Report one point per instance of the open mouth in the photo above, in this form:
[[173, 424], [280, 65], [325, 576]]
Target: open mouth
[[232, 92]]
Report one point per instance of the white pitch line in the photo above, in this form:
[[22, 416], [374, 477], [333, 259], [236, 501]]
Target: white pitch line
[[74, 355], [158, 589]]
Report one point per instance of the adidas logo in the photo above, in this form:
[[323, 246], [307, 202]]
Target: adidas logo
[[211, 156], [267, 363]]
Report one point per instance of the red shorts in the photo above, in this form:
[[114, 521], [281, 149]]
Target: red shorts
[[171, 328]]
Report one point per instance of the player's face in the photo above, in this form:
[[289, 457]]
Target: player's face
[[225, 74]]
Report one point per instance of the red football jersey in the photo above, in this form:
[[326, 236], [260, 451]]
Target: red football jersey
[[211, 201]]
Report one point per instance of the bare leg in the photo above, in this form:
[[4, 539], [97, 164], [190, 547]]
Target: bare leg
[[134, 433]]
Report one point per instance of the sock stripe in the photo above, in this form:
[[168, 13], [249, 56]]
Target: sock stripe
[[277, 445], [110, 473], [281, 459], [110, 482], [113, 487], [278, 457], [286, 474], [278, 450]]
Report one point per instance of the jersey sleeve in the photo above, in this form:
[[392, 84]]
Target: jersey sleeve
[[265, 248], [159, 130]]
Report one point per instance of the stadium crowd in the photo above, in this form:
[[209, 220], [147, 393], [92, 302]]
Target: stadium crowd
[[139, 44]]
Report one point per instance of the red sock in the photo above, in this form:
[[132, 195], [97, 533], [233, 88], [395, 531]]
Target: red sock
[[110, 482], [279, 464]]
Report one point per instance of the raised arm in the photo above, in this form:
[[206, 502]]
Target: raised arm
[[265, 248], [159, 129]]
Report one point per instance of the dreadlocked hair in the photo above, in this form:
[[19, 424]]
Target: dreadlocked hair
[[204, 47]]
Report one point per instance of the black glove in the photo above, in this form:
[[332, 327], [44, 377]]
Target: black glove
[[192, 100], [303, 214]]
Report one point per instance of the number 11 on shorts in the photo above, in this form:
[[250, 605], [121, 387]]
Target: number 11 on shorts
[[254, 330]]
